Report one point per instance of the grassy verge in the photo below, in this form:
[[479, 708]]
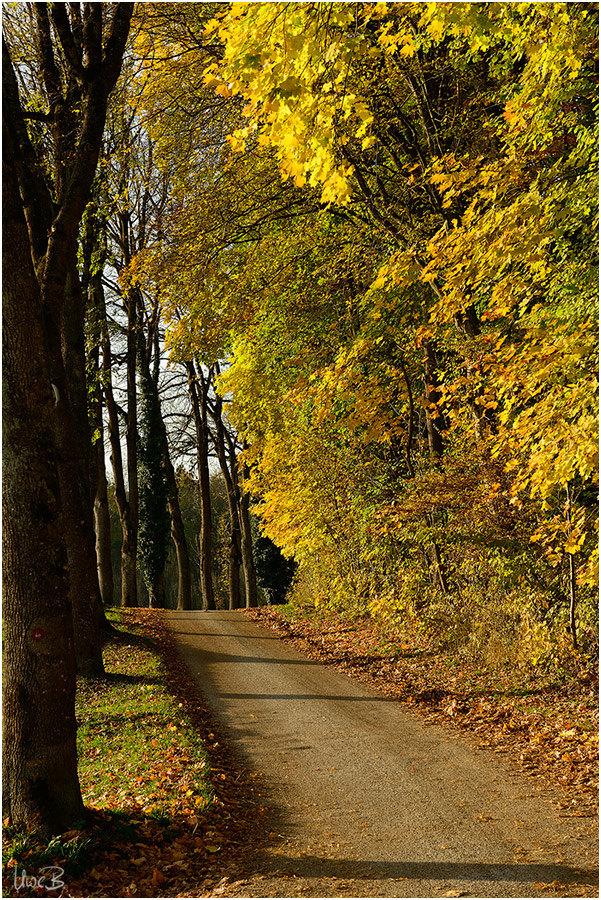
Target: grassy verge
[[146, 782], [137, 750]]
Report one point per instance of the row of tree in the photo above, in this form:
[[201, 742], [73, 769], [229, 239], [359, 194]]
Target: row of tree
[[84, 370], [58, 73], [384, 216]]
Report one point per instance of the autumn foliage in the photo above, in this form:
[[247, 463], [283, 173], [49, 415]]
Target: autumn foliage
[[387, 221]]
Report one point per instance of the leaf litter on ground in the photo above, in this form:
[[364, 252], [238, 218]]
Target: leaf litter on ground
[[167, 806]]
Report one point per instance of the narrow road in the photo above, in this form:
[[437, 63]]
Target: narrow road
[[369, 802]]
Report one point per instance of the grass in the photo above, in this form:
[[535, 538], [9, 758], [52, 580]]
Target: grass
[[142, 767], [136, 748]]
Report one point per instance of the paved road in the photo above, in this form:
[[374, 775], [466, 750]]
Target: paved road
[[369, 801]]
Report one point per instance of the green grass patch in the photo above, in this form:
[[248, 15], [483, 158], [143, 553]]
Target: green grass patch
[[136, 747], [143, 770]]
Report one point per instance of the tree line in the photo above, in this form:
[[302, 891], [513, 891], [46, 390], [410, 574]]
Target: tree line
[[347, 250]]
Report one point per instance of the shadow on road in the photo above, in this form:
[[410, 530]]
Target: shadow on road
[[519, 873], [352, 697], [220, 634], [211, 656]]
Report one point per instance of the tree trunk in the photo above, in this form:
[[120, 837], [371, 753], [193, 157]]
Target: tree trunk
[[129, 581], [129, 588], [102, 520], [235, 559], [92, 288], [434, 421], [184, 573], [73, 447], [227, 461], [129, 549], [248, 564], [435, 426], [198, 398], [74, 440], [572, 577], [153, 514], [40, 785], [102, 527], [156, 593], [184, 580]]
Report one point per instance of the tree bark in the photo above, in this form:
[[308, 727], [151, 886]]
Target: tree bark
[[434, 421], [153, 506], [129, 590], [93, 240], [129, 548], [227, 461], [178, 535], [40, 784], [67, 368], [248, 563], [102, 519], [435, 426], [156, 592], [197, 389]]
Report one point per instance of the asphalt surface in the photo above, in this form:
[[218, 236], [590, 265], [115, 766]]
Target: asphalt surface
[[365, 800]]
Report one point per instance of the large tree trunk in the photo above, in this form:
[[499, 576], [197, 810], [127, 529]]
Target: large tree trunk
[[40, 763], [40, 785], [198, 398], [67, 363], [77, 107]]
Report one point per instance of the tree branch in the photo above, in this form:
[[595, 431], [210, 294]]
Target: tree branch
[[92, 36], [70, 49]]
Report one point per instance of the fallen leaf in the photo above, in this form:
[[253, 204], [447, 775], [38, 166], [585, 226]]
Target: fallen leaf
[[158, 877]]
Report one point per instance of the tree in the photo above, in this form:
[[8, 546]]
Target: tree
[[365, 103], [153, 513], [198, 389], [40, 777], [373, 223], [40, 786], [93, 255]]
